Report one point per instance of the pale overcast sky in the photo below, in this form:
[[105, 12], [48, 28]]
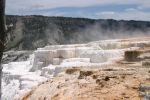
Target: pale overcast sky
[[97, 9]]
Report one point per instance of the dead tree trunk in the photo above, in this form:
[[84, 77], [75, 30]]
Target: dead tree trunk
[[2, 37]]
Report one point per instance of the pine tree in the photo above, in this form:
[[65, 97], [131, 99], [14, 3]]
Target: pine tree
[[2, 38]]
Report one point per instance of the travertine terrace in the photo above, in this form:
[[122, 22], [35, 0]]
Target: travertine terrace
[[97, 70]]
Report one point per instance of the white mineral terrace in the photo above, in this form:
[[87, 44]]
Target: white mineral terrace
[[45, 63]]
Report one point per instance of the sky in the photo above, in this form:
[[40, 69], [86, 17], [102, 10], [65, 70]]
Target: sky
[[95, 9]]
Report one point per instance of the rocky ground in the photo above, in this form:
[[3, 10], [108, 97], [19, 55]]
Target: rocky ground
[[113, 82]]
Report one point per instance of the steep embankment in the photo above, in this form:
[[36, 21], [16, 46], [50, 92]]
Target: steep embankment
[[31, 32]]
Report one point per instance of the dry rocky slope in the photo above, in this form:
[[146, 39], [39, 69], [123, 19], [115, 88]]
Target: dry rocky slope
[[123, 78]]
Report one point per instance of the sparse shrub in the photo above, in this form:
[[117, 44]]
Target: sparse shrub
[[84, 74], [95, 76], [146, 63], [100, 82], [71, 71], [131, 55]]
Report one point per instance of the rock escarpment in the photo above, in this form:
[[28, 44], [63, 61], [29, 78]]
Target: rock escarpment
[[32, 32]]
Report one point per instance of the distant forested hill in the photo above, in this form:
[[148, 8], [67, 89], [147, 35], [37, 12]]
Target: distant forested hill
[[31, 32]]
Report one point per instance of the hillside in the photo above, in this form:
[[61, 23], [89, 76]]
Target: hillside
[[31, 32]]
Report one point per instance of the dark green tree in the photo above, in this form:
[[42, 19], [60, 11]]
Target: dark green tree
[[2, 38]]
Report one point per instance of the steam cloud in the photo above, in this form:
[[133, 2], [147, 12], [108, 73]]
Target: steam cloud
[[96, 32]]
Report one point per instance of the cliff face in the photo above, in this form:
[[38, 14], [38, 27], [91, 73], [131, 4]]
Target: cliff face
[[31, 32]]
